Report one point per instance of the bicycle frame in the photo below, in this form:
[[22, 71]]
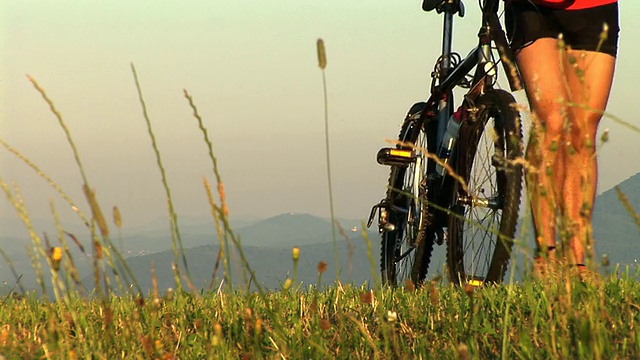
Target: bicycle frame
[[439, 106], [424, 198], [479, 57]]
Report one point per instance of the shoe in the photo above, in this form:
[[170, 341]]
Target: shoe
[[586, 276]]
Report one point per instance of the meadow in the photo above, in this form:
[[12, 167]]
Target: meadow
[[558, 320], [558, 317]]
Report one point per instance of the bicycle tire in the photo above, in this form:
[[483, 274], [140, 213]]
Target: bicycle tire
[[482, 225], [406, 249]]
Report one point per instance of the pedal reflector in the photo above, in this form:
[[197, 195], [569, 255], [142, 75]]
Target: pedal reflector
[[475, 282], [401, 153], [393, 156]]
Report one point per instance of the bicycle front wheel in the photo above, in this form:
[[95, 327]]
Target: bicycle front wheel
[[406, 242], [485, 211]]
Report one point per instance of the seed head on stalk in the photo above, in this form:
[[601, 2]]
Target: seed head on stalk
[[322, 63], [322, 54]]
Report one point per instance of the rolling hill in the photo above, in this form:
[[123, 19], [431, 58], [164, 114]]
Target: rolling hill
[[267, 244], [614, 228]]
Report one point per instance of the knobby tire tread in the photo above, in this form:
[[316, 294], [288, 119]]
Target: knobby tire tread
[[501, 102], [408, 134]]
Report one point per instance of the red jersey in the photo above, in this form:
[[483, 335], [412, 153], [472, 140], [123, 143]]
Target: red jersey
[[573, 4]]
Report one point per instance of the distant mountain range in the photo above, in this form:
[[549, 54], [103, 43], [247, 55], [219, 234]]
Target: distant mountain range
[[614, 227], [267, 245]]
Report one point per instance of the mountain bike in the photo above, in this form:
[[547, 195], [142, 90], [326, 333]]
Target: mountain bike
[[456, 175]]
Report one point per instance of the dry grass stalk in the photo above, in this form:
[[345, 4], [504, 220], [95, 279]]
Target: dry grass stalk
[[48, 179], [178, 249], [96, 210], [628, 206]]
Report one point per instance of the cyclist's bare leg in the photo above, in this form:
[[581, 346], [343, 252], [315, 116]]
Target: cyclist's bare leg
[[589, 76], [562, 150], [547, 98]]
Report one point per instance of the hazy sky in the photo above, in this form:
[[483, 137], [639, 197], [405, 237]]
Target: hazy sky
[[251, 67]]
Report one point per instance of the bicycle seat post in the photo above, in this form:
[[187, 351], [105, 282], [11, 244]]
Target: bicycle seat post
[[449, 8], [445, 106]]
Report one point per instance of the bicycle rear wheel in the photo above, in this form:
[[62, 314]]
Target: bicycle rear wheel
[[483, 222], [406, 243]]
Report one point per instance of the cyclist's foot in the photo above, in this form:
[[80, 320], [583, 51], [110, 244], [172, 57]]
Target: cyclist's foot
[[545, 265], [545, 268], [552, 270], [586, 275]]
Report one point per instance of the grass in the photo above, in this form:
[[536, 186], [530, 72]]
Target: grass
[[561, 318], [342, 321]]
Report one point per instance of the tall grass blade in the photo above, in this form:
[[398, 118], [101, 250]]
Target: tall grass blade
[[63, 125], [628, 206], [99, 264], [372, 261], [48, 179], [322, 63], [222, 238], [40, 252], [178, 249], [12, 267]]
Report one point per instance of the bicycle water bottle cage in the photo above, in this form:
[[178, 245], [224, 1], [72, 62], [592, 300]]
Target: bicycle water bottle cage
[[453, 59]]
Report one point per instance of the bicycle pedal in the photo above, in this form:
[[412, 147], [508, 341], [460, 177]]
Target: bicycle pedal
[[383, 217], [388, 227], [498, 160], [475, 282], [396, 157]]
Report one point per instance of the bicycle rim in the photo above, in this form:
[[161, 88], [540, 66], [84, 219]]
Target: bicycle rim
[[483, 221]]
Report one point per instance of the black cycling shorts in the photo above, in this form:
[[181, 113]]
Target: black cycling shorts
[[581, 29]]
